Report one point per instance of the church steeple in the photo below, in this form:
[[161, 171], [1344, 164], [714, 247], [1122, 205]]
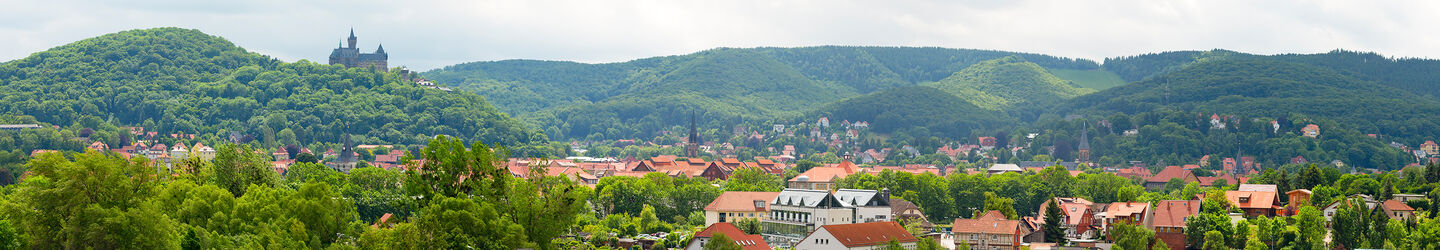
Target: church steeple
[[352, 38], [692, 147], [380, 50]]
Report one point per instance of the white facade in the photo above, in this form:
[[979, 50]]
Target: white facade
[[823, 240]]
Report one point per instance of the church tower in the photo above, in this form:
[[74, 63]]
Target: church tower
[[1084, 152], [692, 146]]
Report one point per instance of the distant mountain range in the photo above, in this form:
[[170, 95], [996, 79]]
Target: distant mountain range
[[638, 98]]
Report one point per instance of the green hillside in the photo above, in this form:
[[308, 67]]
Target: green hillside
[[637, 99], [173, 80], [1273, 88], [915, 107], [1419, 76], [1091, 79], [1005, 83]]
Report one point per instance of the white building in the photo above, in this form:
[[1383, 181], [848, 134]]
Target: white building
[[873, 235], [795, 213]]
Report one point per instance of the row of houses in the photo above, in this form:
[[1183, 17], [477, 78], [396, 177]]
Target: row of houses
[[1086, 221], [818, 219]]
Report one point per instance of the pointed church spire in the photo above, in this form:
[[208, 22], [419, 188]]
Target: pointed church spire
[[352, 33], [380, 50]]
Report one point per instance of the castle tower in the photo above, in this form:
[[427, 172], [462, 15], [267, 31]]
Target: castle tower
[[692, 146], [352, 39]]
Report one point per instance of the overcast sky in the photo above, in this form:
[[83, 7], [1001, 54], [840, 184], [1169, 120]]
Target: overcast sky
[[427, 34]]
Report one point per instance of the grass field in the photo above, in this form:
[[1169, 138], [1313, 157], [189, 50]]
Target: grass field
[[1094, 79]]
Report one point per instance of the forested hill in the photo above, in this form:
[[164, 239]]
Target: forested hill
[[1420, 76], [914, 108], [1266, 87], [635, 99], [1008, 82], [173, 80]]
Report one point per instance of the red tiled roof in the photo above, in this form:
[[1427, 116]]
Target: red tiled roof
[[1119, 209], [991, 223], [823, 174], [741, 201], [1172, 172], [1396, 205], [1257, 199], [869, 234], [1172, 213], [748, 242]]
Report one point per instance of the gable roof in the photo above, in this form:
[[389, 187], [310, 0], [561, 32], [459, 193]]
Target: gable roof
[[746, 241], [1396, 205], [741, 201], [1258, 187], [1257, 199], [868, 234], [1118, 209], [1172, 213], [992, 222], [1172, 172]]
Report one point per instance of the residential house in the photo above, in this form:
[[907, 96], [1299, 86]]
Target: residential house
[[989, 231], [1409, 197], [746, 241], [1398, 210], [1255, 203], [1311, 131], [733, 206], [906, 212], [823, 122], [1430, 148], [1138, 213], [1169, 221], [1394, 208], [986, 142], [1158, 181], [824, 177], [873, 235], [1297, 198], [1076, 213], [179, 152]]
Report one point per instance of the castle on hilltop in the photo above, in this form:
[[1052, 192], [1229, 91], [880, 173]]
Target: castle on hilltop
[[351, 57]]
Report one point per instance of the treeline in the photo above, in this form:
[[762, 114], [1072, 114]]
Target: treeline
[[1270, 88], [174, 80], [460, 197], [584, 100]]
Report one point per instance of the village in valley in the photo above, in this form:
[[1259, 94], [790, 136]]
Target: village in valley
[[178, 138]]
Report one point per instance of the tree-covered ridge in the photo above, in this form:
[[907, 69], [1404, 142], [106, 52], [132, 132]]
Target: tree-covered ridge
[[915, 107], [175, 80], [1270, 88], [581, 100], [1008, 82], [1416, 75]]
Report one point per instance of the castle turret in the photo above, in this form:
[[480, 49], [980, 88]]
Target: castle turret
[[380, 50], [353, 40]]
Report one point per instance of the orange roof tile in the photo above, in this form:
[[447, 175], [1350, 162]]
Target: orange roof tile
[[869, 234], [991, 223], [1172, 213], [1396, 205], [1257, 199], [742, 201], [747, 242]]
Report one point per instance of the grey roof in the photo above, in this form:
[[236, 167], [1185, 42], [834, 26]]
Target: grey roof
[[1045, 164], [1258, 187], [1006, 167], [344, 52], [806, 198], [861, 197]]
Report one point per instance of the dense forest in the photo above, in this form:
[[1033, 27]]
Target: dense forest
[[637, 98], [914, 108], [179, 81], [1272, 88]]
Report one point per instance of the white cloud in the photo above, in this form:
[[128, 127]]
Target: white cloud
[[432, 33]]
